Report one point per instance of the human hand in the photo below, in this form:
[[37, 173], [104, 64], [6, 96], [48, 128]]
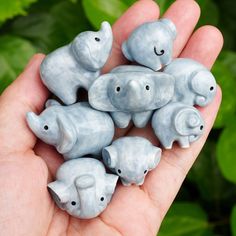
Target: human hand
[[27, 165]]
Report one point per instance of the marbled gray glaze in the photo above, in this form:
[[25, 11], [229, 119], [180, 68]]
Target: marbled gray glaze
[[130, 68], [131, 158], [77, 64], [74, 130], [177, 122], [151, 44], [82, 187], [134, 100], [194, 83]]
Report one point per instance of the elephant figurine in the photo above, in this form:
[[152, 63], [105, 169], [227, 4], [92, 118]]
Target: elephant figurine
[[131, 95], [77, 64], [177, 122], [74, 130], [151, 44], [82, 187], [131, 158], [194, 83]]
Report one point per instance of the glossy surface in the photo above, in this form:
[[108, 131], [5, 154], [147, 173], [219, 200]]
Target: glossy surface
[[82, 187], [77, 64], [131, 95], [151, 44], [131, 158], [177, 122], [74, 130], [194, 83]]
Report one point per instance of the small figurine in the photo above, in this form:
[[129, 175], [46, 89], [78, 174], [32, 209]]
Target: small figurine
[[131, 158], [151, 44], [82, 187], [194, 83], [177, 122], [77, 64], [131, 95], [74, 130]]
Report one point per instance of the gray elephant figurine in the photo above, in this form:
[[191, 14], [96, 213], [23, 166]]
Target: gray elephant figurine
[[131, 95], [131, 158], [194, 83], [151, 44], [82, 187], [74, 130], [77, 64], [177, 122]]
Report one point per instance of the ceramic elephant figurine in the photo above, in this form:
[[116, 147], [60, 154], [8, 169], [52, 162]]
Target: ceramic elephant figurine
[[194, 83], [77, 64], [131, 158], [177, 122], [74, 130], [151, 44], [82, 187], [131, 95]]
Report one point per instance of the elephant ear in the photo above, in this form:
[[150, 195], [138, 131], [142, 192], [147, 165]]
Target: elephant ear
[[185, 120], [98, 93], [67, 134], [164, 88], [59, 192], [170, 26], [109, 155], [126, 51], [85, 181], [111, 181], [155, 157]]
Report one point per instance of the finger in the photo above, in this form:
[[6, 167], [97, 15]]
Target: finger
[[140, 12], [185, 15], [26, 93], [175, 163]]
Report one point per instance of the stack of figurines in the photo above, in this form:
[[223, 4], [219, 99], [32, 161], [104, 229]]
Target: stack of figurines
[[160, 89]]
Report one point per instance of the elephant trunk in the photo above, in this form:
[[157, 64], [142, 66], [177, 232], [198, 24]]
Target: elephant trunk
[[133, 95], [33, 122]]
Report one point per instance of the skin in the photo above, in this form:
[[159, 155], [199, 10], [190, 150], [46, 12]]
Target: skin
[[27, 165]]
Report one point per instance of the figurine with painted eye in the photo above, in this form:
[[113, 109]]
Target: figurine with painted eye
[[151, 44], [77, 64], [194, 83], [82, 187], [177, 122], [131, 158]]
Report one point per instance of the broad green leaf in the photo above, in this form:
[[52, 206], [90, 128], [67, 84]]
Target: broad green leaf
[[226, 152], [185, 219], [233, 221], [225, 74], [103, 10], [14, 54], [9, 9]]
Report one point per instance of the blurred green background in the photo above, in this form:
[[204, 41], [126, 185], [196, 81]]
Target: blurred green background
[[206, 203]]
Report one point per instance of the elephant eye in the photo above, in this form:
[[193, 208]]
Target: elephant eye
[[73, 203], [159, 53], [102, 199], [45, 127], [145, 172], [201, 127], [211, 88], [119, 171], [117, 89], [147, 87], [97, 39]]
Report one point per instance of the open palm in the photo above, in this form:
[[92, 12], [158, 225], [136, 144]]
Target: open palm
[[27, 165]]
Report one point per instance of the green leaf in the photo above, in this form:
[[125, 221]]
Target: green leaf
[[14, 54], [184, 219], [233, 221], [103, 10], [226, 153], [225, 74], [10, 9], [164, 5]]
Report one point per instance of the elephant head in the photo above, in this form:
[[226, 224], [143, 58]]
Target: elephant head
[[188, 122], [151, 44], [53, 127], [203, 84], [92, 49]]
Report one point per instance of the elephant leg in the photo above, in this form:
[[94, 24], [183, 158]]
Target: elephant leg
[[166, 142], [121, 119], [184, 142], [68, 96], [141, 119]]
